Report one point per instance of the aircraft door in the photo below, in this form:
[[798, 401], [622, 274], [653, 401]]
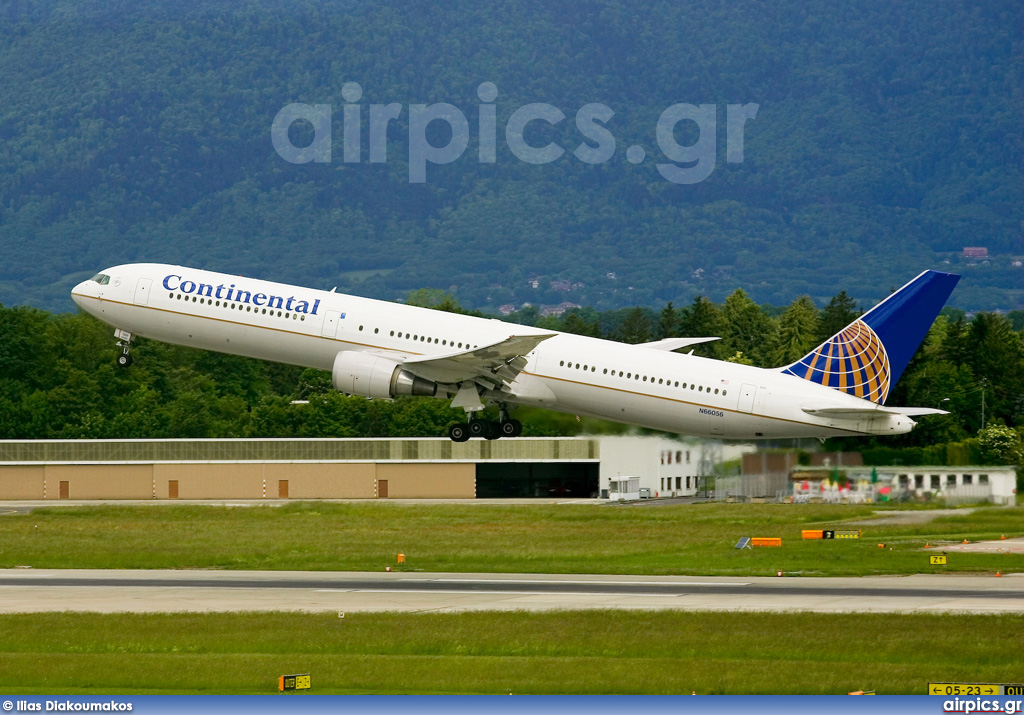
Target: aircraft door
[[142, 291], [746, 400], [330, 327]]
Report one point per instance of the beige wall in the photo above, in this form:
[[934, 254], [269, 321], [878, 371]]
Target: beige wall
[[213, 481], [306, 480], [22, 482], [429, 481], [100, 481], [322, 481]]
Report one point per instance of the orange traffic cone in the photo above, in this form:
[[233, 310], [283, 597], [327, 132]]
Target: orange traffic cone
[[998, 574], [965, 541]]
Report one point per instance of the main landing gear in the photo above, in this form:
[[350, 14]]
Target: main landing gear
[[124, 341], [488, 429]]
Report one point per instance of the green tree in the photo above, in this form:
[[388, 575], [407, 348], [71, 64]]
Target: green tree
[[668, 322], [636, 328], [748, 329], [798, 332], [1000, 444], [839, 312], [703, 319], [574, 322]]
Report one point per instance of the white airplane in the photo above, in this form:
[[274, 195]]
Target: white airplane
[[378, 349]]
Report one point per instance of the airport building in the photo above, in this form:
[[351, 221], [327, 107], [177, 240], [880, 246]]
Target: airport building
[[953, 485], [407, 468], [842, 477]]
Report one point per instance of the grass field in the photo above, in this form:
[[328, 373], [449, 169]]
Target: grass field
[[552, 538], [559, 652]]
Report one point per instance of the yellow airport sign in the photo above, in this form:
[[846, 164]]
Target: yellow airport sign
[[938, 560], [294, 682]]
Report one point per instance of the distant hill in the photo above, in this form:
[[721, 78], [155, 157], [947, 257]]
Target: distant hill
[[888, 137]]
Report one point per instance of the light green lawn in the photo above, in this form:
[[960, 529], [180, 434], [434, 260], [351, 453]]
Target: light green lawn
[[552, 538], [555, 652]]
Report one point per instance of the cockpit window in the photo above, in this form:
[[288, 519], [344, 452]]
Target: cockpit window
[[101, 278]]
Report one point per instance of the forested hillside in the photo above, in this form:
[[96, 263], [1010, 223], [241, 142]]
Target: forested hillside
[[888, 137]]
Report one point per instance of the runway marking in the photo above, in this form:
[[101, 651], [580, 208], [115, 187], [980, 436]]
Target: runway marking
[[575, 582], [490, 593]]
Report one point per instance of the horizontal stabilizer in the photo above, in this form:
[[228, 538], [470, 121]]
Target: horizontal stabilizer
[[868, 411], [675, 343]]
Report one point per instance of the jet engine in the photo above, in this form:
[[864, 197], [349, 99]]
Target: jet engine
[[358, 373]]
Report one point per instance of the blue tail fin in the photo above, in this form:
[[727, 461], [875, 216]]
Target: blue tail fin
[[869, 355]]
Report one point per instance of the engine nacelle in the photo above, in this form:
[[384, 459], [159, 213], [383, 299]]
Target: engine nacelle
[[357, 373]]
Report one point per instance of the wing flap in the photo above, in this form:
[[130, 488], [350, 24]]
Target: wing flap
[[497, 364]]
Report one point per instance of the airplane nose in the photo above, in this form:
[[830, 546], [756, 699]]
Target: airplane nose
[[83, 290]]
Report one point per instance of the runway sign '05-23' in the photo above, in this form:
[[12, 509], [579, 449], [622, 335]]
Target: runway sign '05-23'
[[294, 682], [975, 689]]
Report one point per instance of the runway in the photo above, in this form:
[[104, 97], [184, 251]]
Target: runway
[[108, 591]]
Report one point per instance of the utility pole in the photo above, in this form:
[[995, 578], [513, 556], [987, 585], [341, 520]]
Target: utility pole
[[983, 382]]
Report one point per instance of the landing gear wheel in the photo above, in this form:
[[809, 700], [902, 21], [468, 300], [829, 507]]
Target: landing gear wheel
[[493, 430], [459, 432], [477, 428], [124, 360], [511, 428]]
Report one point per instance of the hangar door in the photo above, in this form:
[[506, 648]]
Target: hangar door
[[497, 480]]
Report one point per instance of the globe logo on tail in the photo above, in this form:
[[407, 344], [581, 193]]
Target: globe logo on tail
[[852, 361]]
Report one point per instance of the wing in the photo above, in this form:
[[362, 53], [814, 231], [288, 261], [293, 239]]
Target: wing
[[495, 365], [675, 343]]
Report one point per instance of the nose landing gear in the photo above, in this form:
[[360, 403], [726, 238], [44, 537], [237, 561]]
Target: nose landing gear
[[124, 341]]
